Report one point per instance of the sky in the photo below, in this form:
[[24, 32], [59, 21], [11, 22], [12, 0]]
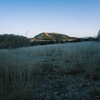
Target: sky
[[76, 18]]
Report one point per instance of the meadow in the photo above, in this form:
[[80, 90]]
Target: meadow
[[69, 71]]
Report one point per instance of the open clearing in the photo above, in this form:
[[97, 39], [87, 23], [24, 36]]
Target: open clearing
[[68, 71]]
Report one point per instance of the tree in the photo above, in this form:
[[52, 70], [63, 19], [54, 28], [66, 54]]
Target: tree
[[98, 36]]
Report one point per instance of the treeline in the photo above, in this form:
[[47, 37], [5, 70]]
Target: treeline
[[88, 39], [15, 41], [60, 41]]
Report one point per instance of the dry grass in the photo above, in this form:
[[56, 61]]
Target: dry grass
[[20, 67]]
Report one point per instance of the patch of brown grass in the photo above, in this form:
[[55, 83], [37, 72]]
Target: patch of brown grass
[[19, 67]]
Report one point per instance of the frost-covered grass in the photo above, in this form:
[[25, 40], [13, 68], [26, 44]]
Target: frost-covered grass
[[20, 67]]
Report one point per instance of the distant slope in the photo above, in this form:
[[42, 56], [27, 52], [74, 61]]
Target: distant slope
[[52, 36]]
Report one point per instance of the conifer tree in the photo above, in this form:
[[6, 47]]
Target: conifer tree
[[98, 36]]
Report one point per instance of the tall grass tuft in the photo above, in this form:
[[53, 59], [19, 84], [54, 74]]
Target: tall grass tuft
[[13, 41]]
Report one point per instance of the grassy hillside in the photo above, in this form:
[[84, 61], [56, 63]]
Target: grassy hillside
[[51, 72], [10, 41], [53, 36]]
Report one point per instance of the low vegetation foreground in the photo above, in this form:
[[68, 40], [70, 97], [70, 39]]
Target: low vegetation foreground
[[68, 71]]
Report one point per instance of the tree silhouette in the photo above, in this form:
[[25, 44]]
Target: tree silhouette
[[98, 36]]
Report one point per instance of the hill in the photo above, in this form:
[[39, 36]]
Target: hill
[[52, 36]]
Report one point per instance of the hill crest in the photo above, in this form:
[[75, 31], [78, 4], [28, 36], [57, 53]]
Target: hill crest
[[53, 36]]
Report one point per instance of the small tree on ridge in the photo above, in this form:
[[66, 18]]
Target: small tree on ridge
[[98, 36]]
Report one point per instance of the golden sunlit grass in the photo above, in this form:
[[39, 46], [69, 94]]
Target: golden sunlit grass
[[20, 67]]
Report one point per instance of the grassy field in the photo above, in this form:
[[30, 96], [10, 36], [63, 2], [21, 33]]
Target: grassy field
[[68, 71]]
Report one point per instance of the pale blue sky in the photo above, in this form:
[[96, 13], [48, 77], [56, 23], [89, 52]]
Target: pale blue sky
[[77, 18]]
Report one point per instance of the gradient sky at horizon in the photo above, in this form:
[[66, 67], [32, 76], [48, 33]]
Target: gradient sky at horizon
[[77, 18]]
